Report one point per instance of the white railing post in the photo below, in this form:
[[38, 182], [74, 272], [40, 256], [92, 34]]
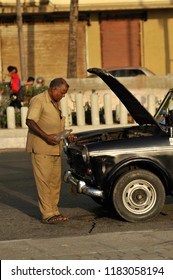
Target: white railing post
[[11, 122], [138, 97], [24, 111], [117, 108], [80, 113], [151, 104], [69, 116], [123, 114], [64, 108], [108, 109], [95, 109]]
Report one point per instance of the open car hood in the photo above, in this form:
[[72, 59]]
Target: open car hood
[[137, 111]]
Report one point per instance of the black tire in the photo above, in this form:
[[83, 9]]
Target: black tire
[[138, 195]]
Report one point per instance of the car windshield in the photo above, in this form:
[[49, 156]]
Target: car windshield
[[164, 115]]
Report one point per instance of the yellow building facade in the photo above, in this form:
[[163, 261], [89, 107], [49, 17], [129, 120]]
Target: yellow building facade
[[157, 41], [110, 33]]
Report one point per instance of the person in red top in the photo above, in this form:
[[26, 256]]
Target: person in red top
[[15, 79], [14, 85]]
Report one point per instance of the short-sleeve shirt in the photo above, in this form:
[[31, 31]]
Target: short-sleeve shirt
[[15, 82], [48, 117]]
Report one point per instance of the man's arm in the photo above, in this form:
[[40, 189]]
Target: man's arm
[[49, 138]]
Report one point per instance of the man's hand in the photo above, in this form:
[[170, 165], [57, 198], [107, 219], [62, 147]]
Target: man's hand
[[51, 139], [72, 137]]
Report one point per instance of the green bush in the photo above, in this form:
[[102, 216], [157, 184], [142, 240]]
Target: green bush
[[5, 102]]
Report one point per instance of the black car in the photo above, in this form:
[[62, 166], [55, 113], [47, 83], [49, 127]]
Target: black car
[[129, 168]]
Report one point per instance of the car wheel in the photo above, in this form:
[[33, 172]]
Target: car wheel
[[138, 195]]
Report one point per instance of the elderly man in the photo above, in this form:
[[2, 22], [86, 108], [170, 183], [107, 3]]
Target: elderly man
[[45, 121]]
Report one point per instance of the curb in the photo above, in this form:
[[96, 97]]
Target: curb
[[16, 138]]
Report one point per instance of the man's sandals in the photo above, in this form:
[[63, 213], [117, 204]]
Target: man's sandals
[[54, 219]]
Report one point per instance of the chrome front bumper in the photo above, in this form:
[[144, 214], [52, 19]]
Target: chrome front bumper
[[81, 187]]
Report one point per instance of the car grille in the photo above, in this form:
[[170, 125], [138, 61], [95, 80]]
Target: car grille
[[76, 162]]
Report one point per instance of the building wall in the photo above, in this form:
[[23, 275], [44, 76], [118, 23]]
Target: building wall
[[120, 43], [46, 48], [157, 41], [101, 4], [155, 45], [46, 41], [93, 43]]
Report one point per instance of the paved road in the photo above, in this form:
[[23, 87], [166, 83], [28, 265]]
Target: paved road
[[91, 233]]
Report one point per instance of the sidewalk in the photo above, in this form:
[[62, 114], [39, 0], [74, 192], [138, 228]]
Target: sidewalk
[[13, 138], [144, 245]]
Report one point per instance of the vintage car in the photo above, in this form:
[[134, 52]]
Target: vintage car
[[128, 168]]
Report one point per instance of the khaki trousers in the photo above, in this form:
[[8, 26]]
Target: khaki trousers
[[47, 174]]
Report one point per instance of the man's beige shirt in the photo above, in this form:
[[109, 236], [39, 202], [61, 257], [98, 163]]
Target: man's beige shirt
[[48, 117]]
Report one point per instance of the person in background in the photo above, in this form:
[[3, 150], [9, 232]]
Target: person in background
[[14, 86], [25, 92], [40, 82], [45, 121], [30, 81], [15, 79]]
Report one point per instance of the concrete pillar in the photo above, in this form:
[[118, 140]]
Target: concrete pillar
[[70, 122], [64, 108], [80, 113], [138, 97], [11, 123], [151, 104], [123, 114], [24, 111], [95, 109], [108, 109], [117, 112]]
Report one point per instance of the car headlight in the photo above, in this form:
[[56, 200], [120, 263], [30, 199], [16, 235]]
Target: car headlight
[[85, 154], [65, 147]]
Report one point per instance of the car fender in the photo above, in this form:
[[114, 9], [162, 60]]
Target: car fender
[[143, 163]]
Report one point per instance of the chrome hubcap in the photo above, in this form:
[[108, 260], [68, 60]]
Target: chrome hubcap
[[139, 197]]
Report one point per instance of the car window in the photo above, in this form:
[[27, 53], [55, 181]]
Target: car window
[[126, 72], [115, 73], [137, 72]]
